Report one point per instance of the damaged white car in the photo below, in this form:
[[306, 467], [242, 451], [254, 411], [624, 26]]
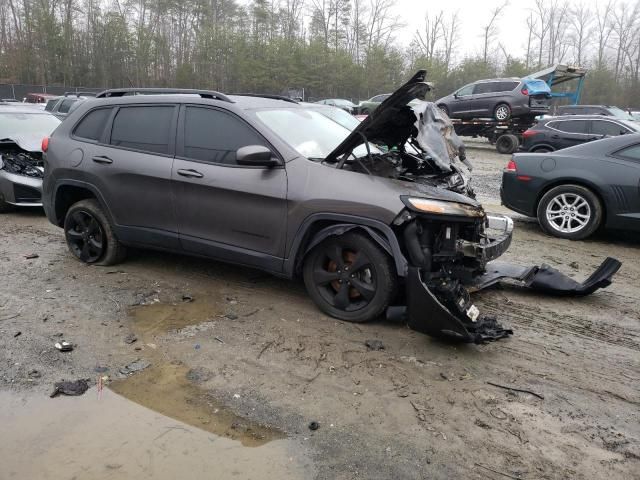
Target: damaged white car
[[22, 129]]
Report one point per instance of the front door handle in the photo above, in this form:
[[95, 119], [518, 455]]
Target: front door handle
[[190, 173], [102, 159]]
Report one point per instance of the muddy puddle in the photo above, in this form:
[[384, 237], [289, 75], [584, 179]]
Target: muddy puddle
[[166, 389], [91, 437], [159, 318]]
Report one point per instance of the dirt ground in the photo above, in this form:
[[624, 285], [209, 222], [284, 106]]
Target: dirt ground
[[249, 360]]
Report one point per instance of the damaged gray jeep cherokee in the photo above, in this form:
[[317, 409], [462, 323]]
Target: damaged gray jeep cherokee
[[380, 219]]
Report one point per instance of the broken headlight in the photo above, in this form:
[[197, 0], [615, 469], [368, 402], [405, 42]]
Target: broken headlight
[[441, 207]]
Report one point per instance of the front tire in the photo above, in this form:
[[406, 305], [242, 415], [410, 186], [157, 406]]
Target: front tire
[[570, 211], [90, 236], [350, 277]]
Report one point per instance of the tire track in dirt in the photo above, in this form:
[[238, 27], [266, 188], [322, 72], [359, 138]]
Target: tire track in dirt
[[566, 324]]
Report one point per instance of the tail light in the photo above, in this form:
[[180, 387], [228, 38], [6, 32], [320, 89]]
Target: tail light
[[524, 91], [529, 133], [45, 144], [511, 166]]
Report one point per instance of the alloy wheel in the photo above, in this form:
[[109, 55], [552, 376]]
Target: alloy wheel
[[568, 213], [502, 112], [85, 236], [345, 278]]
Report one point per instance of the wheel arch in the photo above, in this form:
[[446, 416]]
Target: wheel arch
[[68, 192], [538, 146], [318, 227], [579, 182]]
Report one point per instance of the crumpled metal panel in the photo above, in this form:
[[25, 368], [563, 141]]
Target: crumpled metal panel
[[437, 137]]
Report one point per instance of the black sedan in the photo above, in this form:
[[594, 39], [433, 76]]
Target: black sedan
[[576, 190], [555, 133]]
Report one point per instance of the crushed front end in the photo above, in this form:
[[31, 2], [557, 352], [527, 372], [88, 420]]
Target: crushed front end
[[451, 252], [448, 245], [21, 176]]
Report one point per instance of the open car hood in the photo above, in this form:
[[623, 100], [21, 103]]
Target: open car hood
[[27, 142], [391, 123]]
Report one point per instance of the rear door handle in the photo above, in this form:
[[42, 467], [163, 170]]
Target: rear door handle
[[102, 159], [190, 173]]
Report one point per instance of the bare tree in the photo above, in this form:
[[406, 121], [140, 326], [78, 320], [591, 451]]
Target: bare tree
[[451, 34], [581, 26], [433, 32], [624, 23], [490, 30], [603, 31], [557, 30], [531, 27]]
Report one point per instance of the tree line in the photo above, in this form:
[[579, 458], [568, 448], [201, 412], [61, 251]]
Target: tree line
[[331, 48]]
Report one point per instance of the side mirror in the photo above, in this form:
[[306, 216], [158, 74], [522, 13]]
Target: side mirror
[[256, 156], [455, 95]]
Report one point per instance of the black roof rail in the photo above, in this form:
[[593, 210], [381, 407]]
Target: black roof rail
[[121, 92], [266, 95]]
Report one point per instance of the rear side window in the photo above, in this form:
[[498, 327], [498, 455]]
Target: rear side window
[[611, 129], [66, 105], [143, 128], [214, 136], [51, 104], [570, 126], [632, 152], [92, 125], [486, 87], [508, 86]]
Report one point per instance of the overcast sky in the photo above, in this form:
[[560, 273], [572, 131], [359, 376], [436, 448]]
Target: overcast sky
[[473, 14]]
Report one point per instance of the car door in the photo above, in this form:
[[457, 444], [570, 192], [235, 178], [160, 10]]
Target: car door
[[131, 168], [479, 102], [568, 133], [626, 186], [225, 210], [462, 101], [607, 128]]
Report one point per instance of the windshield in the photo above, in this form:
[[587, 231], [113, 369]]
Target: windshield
[[619, 113], [27, 124], [340, 116], [311, 133]]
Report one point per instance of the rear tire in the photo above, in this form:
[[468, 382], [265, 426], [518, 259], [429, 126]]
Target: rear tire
[[90, 236], [570, 211], [507, 143], [350, 277], [502, 112]]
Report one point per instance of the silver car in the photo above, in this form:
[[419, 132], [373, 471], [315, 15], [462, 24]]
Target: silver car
[[22, 129]]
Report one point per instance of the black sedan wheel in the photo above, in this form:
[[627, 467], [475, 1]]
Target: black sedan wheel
[[90, 236], [350, 277], [570, 211]]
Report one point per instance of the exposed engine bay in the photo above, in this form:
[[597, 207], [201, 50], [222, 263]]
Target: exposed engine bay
[[28, 164]]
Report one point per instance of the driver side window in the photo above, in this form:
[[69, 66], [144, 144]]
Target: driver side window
[[214, 136]]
